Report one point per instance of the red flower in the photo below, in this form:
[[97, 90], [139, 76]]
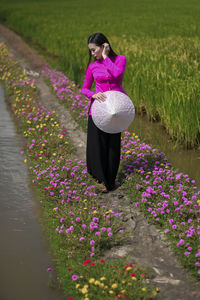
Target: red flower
[[132, 274], [87, 261], [65, 150], [114, 266], [87, 274], [52, 187], [69, 269], [130, 265], [92, 264], [125, 267], [143, 275], [69, 298], [101, 260]]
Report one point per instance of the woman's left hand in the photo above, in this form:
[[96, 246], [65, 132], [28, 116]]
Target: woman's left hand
[[106, 50]]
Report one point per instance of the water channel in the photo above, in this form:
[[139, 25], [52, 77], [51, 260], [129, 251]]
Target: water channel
[[185, 161], [24, 252]]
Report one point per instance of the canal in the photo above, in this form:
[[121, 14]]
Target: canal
[[24, 252], [185, 161]]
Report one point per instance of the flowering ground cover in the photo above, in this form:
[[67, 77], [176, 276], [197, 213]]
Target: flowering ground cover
[[79, 227], [169, 199]]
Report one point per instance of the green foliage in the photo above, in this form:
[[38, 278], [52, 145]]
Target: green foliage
[[160, 39]]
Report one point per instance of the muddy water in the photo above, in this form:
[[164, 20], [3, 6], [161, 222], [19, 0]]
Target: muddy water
[[186, 161], [24, 253]]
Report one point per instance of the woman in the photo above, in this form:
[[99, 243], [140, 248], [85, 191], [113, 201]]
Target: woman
[[103, 149]]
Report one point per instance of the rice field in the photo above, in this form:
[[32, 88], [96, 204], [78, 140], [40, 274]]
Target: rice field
[[159, 38]]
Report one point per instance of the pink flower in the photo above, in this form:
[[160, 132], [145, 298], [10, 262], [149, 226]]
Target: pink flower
[[74, 277]]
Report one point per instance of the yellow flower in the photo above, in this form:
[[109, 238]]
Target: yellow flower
[[114, 286], [25, 160], [103, 278], [54, 154], [123, 281], [84, 290], [97, 282], [111, 292], [128, 269], [143, 289], [134, 278], [87, 298], [123, 291], [77, 286], [86, 286], [92, 280], [101, 285]]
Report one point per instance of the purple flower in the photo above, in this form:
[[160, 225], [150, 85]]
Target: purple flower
[[92, 242], [81, 239], [74, 277]]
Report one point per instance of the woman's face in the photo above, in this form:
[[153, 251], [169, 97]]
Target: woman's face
[[95, 50]]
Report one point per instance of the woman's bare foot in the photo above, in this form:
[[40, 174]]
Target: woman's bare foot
[[104, 190]]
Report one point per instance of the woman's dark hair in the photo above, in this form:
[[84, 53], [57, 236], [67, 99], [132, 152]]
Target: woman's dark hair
[[99, 39]]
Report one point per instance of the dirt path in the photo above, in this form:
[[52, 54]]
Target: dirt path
[[146, 244]]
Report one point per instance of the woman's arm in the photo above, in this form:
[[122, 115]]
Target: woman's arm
[[88, 84], [115, 69]]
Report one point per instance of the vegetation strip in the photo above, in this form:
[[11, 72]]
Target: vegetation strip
[[169, 199], [162, 75], [79, 227]]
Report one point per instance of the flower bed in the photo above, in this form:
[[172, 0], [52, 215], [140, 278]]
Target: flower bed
[[169, 199], [80, 229]]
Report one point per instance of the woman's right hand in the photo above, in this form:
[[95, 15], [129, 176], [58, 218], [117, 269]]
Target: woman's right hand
[[99, 96]]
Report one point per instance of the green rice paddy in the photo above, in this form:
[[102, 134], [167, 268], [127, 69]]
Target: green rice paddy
[[159, 38]]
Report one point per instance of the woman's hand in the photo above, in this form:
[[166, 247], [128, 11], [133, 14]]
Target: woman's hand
[[99, 97], [106, 50]]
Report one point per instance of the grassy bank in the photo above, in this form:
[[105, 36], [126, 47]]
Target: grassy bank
[[79, 228], [159, 38], [169, 199]]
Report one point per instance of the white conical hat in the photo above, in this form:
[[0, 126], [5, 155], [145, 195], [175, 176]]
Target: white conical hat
[[114, 114]]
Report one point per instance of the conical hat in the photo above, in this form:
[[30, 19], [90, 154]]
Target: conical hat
[[114, 114]]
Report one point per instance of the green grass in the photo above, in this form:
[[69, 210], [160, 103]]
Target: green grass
[[160, 39]]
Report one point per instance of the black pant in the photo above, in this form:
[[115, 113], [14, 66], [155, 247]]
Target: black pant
[[103, 154]]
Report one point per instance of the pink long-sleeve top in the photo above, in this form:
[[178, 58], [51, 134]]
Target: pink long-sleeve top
[[107, 74]]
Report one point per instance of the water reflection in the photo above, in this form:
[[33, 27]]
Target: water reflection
[[186, 161], [24, 254]]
